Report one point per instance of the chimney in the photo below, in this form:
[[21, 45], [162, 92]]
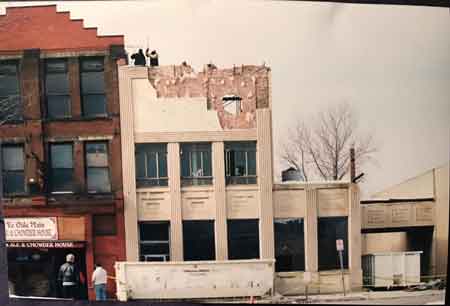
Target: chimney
[[352, 164]]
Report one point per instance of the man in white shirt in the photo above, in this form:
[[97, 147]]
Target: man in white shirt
[[99, 280]]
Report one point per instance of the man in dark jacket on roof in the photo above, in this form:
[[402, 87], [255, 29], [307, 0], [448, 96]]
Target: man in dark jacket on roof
[[139, 58]]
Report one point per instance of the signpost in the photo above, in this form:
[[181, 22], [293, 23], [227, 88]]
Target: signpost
[[340, 249]]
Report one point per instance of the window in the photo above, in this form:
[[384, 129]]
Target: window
[[196, 164], [97, 168], [93, 87], [154, 241], [329, 230], [240, 162], [151, 165], [198, 240], [13, 166], [289, 245], [232, 104], [57, 89], [243, 239], [11, 106], [104, 225], [61, 177]]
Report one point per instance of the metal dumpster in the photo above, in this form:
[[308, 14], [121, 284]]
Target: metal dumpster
[[391, 269], [194, 279]]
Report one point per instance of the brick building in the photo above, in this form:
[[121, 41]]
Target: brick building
[[60, 147]]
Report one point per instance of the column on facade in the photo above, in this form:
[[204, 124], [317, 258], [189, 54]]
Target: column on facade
[[128, 167], [220, 199], [176, 219], [311, 243], [354, 236], [265, 177]]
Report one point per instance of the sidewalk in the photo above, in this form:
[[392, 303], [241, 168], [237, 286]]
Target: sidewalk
[[354, 296]]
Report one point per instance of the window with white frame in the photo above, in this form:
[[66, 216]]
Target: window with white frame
[[240, 162], [151, 165], [196, 168]]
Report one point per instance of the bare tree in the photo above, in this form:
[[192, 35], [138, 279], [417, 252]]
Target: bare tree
[[321, 146]]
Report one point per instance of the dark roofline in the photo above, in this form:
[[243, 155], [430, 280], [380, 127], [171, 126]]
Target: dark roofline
[[397, 200], [26, 6]]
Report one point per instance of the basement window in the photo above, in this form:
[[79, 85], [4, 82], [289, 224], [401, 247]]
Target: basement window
[[198, 240], [243, 239], [154, 242], [330, 229], [13, 165], [10, 100], [57, 89], [151, 165], [196, 168], [240, 162], [232, 104], [93, 87], [289, 245]]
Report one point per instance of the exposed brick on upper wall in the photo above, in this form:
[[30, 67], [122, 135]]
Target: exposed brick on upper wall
[[251, 83], [44, 28]]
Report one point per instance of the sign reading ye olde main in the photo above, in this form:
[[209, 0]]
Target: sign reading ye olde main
[[31, 229]]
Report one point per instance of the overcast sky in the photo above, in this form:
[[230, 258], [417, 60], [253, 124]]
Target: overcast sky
[[392, 63]]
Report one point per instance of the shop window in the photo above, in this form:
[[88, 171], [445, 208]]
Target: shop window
[[196, 164], [104, 225], [289, 245], [329, 230], [243, 239], [13, 166], [97, 167], [61, 156], [57, 89], [10, 100], [240, 162], [198, 240], [151, 165], [93, 87], [154, 241]]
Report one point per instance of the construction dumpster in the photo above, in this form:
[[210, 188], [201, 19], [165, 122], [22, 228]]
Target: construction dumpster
[[194, 279], [391, 269]]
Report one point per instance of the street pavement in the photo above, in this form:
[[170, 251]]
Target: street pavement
[[405, 300]]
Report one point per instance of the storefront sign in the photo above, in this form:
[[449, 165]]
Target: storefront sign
[[31, 229], [46, 245]]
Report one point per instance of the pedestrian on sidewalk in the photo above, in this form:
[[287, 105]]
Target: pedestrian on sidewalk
[[99, 280], [69, 278]]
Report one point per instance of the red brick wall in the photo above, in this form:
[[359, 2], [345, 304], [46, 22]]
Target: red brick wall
[[22, 29], [251, 83], [44, 28]]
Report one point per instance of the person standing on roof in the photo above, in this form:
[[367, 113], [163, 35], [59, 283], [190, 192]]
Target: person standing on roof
[[153, 56], [139, 58]]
